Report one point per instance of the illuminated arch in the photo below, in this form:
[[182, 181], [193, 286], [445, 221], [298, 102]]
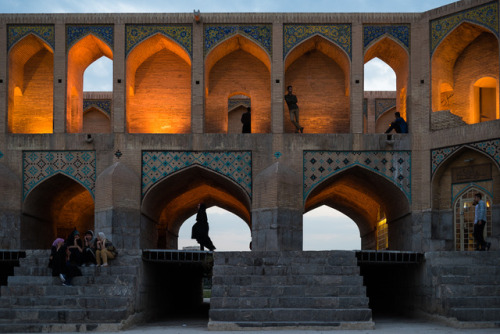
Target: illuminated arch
[[153, 104], [83, 53], [174, 199], [30, 89], [96, 120]]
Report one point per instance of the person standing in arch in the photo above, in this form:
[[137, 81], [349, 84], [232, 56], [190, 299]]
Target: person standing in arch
[[480, 223], [293, 108], [246, 119], [200, 229]]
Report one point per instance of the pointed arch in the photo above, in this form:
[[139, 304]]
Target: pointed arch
[[83, 53], [237, 64], [158, 79], [30, 88], [174, 199], [53, 208], [318, 68], [96, 120], [465, 55]]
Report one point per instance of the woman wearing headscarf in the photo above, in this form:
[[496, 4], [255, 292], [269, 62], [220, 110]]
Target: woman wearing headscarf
[[200, 229], [105, 250]]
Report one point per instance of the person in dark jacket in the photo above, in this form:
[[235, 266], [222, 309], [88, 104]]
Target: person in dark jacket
[[75, 247], [399, 124], [60, 264], [293, 108], [89, 248], [200, 229], [246, 119]]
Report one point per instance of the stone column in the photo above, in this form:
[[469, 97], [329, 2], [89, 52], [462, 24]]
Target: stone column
[[60, 58], [4, 55], [118, 117], [197, 81], [357, 72], [277, 79]]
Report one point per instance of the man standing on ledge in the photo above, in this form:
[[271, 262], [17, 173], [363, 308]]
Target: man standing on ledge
[[293, 108]]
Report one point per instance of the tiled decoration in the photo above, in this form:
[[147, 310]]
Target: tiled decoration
[[339, 34], [382, 105], [400, 33], [235, 165], [489, 147], [1, 154], [393, 165], [104, 105], [74, 33], [234, 103], [44, 31], [258, 33], [38, 166], [486, 16], [180, 33]]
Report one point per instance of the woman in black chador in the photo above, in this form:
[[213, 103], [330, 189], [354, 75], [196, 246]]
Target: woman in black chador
[[200, 229]]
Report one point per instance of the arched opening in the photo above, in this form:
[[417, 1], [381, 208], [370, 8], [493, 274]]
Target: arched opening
[[366, 198], [316, 69], [158, 98], [391, 61], [237, 105], [485, 100], [30, 91], [53, 209], [467, 54], [237, 65], [326, 229], [98, 77], [82, 54], [451, 198], [96, 120]]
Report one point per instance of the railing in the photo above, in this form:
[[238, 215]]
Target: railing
[[389, 257], [174, 256], [11, 255]]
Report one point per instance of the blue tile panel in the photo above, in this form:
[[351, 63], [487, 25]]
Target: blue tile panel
[[339, 34], [38, 166], [382, 105], [74, 33], [180, 33], [44, 31], [489, 147], [400, 33], [235, 165], [393, 165], [1, 154], [486, 16], [104, 105], [259, 33]]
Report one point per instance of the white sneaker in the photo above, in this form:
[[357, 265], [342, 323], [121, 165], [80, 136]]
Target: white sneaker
[[63, 279], [105, 265]]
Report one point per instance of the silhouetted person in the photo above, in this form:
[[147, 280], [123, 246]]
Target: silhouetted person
[[200, 229], [480, 223], [399, 124], [246, 119], [293, 108]]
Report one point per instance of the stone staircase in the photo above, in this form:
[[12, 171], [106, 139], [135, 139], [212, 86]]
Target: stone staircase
[[467, 286], [297, 290], [100, 300], [445, 119]]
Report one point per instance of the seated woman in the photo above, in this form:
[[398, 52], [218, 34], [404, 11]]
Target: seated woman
[[105, 250], [75, 247]]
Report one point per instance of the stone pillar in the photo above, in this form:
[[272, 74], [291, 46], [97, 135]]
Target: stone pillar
[[4, 55], [277, 79], [118, 118], [277, 222], [197, 81], [10, 209], [60, 78], [357, 66]]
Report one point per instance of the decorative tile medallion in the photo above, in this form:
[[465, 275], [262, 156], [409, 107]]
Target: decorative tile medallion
[[400, 33], [38, 166], [393, 165], [235, 165], [103, 105], [382, 105], [234, 103], [44, 31], [259, 33], [294, 34], [486, 16], [74, 33], [489, 147], [180, 33], [1, 154]]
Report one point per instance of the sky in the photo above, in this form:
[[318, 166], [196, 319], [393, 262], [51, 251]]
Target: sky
[[323, 228]]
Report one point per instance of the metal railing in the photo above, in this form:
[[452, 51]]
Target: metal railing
[[174, 256], [11, 255], [389, 257]]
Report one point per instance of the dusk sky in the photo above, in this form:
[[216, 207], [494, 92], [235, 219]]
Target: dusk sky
[[324, 228]]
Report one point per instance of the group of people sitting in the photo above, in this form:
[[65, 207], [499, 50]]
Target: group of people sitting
[[68, 255]]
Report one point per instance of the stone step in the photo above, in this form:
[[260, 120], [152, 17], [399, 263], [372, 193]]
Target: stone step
[[282, 270], [79, 280], [290, 314], [86, 271], [289, 302], [75, 290], [472, 302], [464, 290], [289, 280], [44, 315], [467, 259], [291, 291], [65, 302], [475, 314], [470, 279], [58, 327]]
